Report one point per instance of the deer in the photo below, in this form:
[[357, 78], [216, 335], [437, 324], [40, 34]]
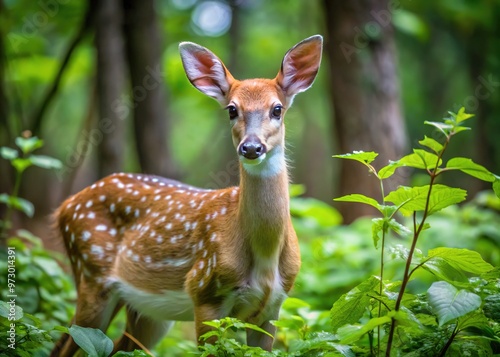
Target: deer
[[168, 251]]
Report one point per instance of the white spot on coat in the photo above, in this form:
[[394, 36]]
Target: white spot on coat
[[86, 235], [101, 227]]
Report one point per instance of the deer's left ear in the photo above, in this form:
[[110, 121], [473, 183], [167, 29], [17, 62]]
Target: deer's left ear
[[300, 66]]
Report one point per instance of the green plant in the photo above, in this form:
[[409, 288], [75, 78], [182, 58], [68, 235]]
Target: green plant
[[21, 159], [22, 333], [38, 291], [434, 320]]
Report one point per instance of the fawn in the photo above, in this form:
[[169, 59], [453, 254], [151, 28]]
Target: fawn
[[169, 251]]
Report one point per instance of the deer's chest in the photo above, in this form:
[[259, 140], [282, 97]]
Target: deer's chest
[[255, 302]]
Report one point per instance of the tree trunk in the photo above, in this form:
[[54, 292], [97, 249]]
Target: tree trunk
[[144, 49], [365, 94], [110, 85], [228, 159]]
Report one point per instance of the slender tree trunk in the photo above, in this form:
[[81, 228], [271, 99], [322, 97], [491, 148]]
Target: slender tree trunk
[[365, 93], [151, 123], [110, 85], [227, 160]]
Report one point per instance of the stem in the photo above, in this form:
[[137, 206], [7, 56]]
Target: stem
[[417, 231], [442, 353], [8, 216], [381, 286], [379, 300]]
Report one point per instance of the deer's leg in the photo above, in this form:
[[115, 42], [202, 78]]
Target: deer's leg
[[202, 313], [95, 308], [145, 330], [61, 348], [259, 339]]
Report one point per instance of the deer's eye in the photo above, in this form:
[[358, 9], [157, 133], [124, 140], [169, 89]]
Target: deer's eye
[[233, 112], [277, 111]]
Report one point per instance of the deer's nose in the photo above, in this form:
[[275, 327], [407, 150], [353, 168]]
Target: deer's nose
[[251, 148]]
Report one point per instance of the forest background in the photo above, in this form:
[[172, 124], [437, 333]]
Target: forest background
[[101, 82]]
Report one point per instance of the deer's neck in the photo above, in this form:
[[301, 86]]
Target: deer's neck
[[264, 204]]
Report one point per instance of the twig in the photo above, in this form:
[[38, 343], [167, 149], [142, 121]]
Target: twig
[[138, 343]]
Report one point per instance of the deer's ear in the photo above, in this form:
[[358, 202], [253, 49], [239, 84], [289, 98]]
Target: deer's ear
[[300, 66], [206, 71]]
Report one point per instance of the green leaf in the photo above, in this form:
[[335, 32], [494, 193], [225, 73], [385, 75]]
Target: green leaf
[[399, 229], [5, 311], [294, 322], [377, 228], [496, 187], [350, 307], [297, 190], [442, 127], [414, 199], [473, 319], [28, 145], [449, 303], [209, 334], [352, 333], [445, 271], [257, 328], [458, 129], [92, 341], [18, 203], [45, 162], [294, 304], [471, 168], [420, 159], [431, 144], [388, 171], [402, 252], [61, 329], [462, 115], [406, 317], [356, 197], [213, 323], [8, 153], [320, 342], [21, 164], [467, 260], [361, 156]]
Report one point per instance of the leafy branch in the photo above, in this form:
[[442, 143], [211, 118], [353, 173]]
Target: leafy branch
[[420, 203], [21, 159]]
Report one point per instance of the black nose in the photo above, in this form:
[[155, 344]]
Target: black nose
[[252, 149]]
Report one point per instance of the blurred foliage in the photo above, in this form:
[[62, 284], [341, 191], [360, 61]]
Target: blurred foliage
[[448, 53], [438, 68]]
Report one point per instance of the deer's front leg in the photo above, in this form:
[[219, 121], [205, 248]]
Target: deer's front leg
[[202, 313], [259, 339]]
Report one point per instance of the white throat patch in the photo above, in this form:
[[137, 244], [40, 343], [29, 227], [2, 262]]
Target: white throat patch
[[272, 164]]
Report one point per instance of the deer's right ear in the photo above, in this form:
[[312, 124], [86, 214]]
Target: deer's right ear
[[206, 71]]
